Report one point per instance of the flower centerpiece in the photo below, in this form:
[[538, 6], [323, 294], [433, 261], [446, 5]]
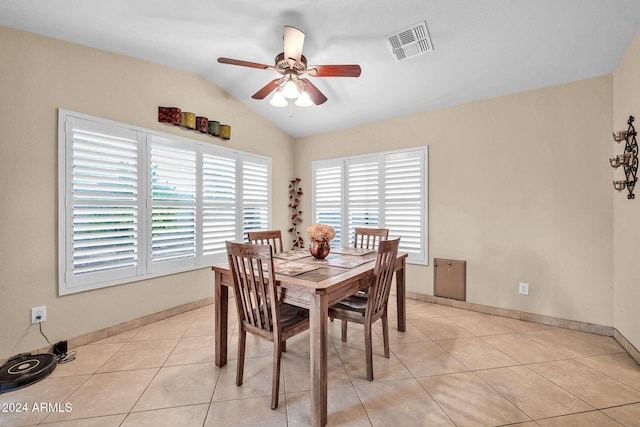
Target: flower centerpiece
[[320, 236]]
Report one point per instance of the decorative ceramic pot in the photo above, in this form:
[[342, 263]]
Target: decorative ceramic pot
[[319, 248], [214, 127], [202, 124], [225, 131], [171, 115], [188, 120]]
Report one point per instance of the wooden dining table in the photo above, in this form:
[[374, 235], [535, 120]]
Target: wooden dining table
[[313, 284]]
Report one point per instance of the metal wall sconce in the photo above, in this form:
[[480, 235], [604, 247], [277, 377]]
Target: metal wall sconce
[[628, 160], [620, 160]]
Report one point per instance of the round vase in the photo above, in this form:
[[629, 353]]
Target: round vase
[[319, 248]]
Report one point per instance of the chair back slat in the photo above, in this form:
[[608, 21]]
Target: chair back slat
[[369, 238], [254, 285], [262, 303], [236, 266], [267, 237], [382, 276]]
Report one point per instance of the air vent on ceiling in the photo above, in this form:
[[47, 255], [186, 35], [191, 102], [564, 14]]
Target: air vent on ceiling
[[409, 42]]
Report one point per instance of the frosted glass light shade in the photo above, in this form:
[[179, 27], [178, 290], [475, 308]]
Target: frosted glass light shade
[[304, 100], [277, 100], [290, 90]]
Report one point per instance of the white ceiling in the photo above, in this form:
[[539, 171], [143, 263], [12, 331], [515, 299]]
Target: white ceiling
[[483, 48]]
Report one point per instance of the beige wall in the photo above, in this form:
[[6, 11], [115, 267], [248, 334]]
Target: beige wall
[[626, 90], [39, 75], [518, 187]]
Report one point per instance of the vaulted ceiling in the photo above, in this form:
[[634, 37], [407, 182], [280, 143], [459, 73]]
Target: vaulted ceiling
[[482, 48]]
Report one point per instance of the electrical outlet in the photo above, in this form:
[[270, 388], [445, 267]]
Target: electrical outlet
[[38, 311], [523, 289]]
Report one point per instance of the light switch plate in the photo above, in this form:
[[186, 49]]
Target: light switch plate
[[523, 289]]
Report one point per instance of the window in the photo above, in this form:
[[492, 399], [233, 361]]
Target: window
[[135, 203], [383, 190]]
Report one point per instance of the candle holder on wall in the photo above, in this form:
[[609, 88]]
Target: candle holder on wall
[[619, 185], [620, 136], [628, 160], [620, 160]]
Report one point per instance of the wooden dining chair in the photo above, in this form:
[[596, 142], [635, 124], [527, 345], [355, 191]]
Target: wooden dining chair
[[260, 311], [367, 308], [267, 237], [369, 238]]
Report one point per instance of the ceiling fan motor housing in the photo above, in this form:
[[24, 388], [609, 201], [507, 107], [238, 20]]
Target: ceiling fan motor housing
[[283, 64]]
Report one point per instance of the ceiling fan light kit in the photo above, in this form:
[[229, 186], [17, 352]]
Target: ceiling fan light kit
[[278, 99], [292, 64], [290, 90], [304, 100]]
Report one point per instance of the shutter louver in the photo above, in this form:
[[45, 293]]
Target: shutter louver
[[105, 196], [363, 195], [219, 203], [328, 198], [255, 197], [173, 199], [403, 192]]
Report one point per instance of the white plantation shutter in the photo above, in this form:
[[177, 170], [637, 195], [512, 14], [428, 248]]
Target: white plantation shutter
[[101, 211], [173, 201], [386, 190], [135, 204], [328, 199], [363, 194], [404, 199], [219, 203], [255, 196]]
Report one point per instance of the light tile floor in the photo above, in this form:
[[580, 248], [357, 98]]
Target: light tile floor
[[451, 367]]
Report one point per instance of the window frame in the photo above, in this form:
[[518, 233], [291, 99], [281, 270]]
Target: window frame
[[68, 282], [347, 206]]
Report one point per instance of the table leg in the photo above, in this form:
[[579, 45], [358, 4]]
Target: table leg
[[221, 309], [318, 312], [401, 297]]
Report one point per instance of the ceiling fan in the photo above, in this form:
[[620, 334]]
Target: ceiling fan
[[292, 64]]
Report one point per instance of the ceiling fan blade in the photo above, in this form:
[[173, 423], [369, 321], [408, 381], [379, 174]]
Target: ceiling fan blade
[[245, 63], [293, 41], [334, 70], [267, 89], [314, 93]]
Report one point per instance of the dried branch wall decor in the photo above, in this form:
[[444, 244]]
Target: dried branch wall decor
[[295, 192]]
